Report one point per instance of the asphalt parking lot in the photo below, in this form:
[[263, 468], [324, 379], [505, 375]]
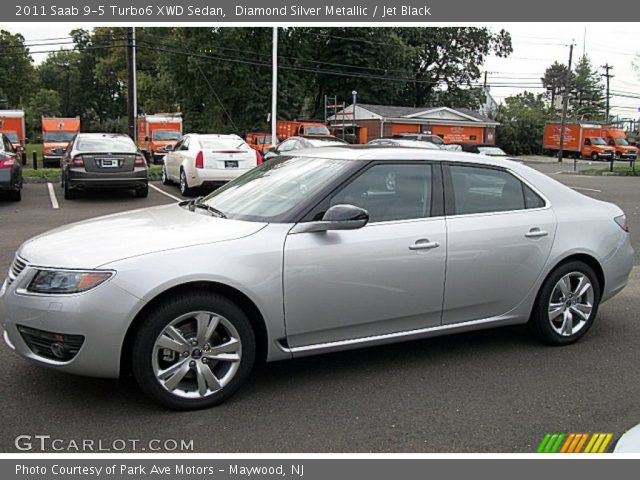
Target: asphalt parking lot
[[492, 391]]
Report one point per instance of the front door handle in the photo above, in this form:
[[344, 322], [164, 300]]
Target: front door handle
[[536, 233], [423, 244]]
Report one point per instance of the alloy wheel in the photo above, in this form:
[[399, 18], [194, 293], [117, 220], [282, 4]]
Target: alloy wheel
[[196, 354], [570, 304]]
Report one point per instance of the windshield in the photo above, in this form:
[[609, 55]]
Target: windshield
[[164, 135], [493, 151], [58, 137], [263, 140], [106, 144], [274, 188], [323, 142], [598, 141], [316, 130], [12, 136], [621, 141], [223, 144]]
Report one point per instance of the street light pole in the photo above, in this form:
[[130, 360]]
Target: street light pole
[[131, 88], [565, 104], [274, 86]]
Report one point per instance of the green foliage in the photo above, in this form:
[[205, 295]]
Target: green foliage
[[522, 118], [45, 102], [220, 78], [587, 101], [17, 80]]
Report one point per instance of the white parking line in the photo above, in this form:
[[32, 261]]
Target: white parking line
[[52, 196], [159, 190], [588, 189]]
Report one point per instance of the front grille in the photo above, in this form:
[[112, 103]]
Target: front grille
[[16, 269], [54, 346]]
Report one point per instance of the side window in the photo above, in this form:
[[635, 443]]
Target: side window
[[587, 142], [8, 147], [483, 190], [178, 145], [390, 192], [185, 144]]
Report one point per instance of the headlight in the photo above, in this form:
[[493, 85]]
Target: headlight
[[69, 281]]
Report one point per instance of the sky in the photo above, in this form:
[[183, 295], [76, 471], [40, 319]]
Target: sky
[[535, 47]]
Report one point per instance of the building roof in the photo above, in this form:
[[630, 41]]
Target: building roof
[[415, 113]]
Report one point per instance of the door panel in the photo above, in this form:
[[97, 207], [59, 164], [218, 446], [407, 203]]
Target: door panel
[[341, 285]]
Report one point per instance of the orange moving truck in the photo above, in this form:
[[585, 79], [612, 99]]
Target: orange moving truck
[[310, 129], [56, 135], [156, 132], [580, 140], [12, 125], [617, 138], [259, 141]]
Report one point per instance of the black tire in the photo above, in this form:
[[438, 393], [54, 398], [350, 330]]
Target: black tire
[[160, 317], [595, 157], [540, 323], [142, 192], [165, 177], [184, 186], [15, 195], [69, 193]]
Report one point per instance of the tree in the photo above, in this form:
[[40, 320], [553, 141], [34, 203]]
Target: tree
[[17, 80], [44, 102], [554, 80], [587, 99], [522, 118]]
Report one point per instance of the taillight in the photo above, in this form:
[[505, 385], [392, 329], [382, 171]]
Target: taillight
[[140, 161], [6, 161], [77, 161], [259, 158], [200, 160], [622, 222]]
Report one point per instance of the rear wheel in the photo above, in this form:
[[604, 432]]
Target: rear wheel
[[69, 193], [143, 192], [193, 351], [184, 185], [15, 195], [567, 304]]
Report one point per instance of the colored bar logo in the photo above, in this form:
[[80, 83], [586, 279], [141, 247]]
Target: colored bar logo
[[575, 443]]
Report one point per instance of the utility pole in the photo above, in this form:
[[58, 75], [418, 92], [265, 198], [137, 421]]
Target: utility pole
[[274, 86], [565, 104], [607, 75], [132, 97]]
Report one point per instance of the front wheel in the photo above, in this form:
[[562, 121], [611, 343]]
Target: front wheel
[[595, 157], [193, 351], [567, 304]]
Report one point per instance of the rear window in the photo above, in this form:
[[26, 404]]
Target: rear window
[[106, 144], [223, 144], [164, 135], [57, 136]]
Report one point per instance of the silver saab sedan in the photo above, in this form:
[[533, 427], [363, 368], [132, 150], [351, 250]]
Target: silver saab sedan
[[332, 248]]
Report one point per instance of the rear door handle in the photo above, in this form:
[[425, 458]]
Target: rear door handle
[[536, 233], [423, 244]]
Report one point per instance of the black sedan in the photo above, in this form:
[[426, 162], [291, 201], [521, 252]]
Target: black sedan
[[10, 170], [103, 161]]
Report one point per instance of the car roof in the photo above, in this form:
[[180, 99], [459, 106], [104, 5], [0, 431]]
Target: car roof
[[383, 152], [214, 135], [102, 135], [405, 142]]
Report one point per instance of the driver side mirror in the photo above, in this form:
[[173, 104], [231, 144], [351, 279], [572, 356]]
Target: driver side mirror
[[338, 217], [146, 139], [168, 148]]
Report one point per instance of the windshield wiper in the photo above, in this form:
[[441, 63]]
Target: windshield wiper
[[198, 204]]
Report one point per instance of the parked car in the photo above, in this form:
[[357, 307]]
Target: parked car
[[421, 137], [299, 143], [103, 161], [199, 161], [482, 149], [346, 246], [10, 170], [401, 142]]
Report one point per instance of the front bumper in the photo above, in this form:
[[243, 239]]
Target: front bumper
[[102, 316], [81, 179]]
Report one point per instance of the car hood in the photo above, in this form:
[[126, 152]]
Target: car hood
[[96, 242]]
